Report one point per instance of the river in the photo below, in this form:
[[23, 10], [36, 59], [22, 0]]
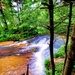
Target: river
[[38, 47]]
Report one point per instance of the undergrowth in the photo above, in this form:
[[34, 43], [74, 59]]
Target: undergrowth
[[58, 68], [58, 65], [61, 51]]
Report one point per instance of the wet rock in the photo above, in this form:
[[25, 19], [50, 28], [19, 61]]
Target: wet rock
[[16, 50], [14, 65]]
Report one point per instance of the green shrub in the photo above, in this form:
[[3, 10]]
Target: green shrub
[[61, 51], [58, 67], [47, 63]]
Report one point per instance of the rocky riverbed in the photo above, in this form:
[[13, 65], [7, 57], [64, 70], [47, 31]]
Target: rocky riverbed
[[15, 56]]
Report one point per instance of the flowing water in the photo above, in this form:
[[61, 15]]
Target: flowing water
[[42, 52], [41, 44]]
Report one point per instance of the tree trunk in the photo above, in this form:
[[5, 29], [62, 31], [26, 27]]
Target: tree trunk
[[1, 10], [51, 7], [68, 30], [71, 55], [6, 26]]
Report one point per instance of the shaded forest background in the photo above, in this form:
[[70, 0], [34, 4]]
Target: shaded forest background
[[20, 20], [26, 19]]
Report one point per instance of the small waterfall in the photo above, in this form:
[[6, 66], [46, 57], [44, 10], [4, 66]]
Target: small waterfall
[[42, 52], [41, 43]]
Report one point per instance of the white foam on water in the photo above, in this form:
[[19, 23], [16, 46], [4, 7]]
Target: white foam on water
[[39, 60], [42, 45], [37, 67]]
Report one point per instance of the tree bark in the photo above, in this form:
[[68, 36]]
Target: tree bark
[[51, 7], [71, 55], [68, 30]]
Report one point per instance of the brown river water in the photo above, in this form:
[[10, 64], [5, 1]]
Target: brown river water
[[16, 56], [10, 63]]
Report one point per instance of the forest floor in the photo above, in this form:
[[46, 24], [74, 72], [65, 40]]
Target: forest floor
[[57, 60]]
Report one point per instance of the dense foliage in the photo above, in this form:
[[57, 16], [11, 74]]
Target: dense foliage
[[25, 19], [28, 22], [31, 19]]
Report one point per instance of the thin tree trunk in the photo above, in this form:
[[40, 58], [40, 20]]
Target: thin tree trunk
[[1, 10], [52, 35], [68, 28], [71, 55], [51, 29]]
